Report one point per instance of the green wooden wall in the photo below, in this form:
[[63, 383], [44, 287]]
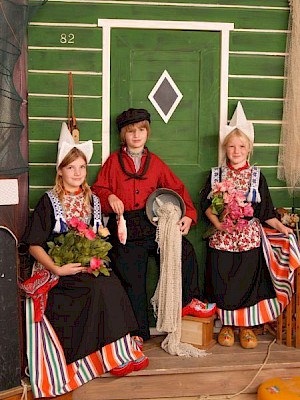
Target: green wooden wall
[[63, 37]]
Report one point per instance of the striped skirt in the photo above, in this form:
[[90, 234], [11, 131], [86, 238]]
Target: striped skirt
[[50, 375], [282, 256]]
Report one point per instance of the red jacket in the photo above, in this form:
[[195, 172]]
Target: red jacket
[[134, 192]]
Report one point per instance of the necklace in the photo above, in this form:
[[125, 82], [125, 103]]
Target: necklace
[[136, 175]]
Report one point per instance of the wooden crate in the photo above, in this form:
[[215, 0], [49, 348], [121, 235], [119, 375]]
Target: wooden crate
[[198, 331]]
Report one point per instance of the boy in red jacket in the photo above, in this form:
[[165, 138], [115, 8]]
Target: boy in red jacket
[[123, 185]]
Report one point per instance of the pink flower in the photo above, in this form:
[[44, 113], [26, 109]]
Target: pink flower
[[228, 186], [235, 211], [227, 225], [231, 206], [241, 224], [223, 187], [95, 263], [81, 226], [74, 221], [89, 234], [239, 198], [248, 210], [227, 198]]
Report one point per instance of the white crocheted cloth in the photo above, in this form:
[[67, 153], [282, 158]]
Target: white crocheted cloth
[[167, 299]]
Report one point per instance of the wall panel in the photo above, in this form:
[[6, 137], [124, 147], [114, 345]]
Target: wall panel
[[75, 60], [43, 106], [64, 37], [56, 82]]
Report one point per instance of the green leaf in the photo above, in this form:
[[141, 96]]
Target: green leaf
[[104, 271], [58, 261], [217, 205], [60, 239], [84, 260]]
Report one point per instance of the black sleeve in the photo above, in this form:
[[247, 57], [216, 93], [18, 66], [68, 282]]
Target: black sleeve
[[41, 223], [265, 209], [204, 201]]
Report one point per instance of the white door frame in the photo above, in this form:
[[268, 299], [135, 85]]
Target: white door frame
[[108, 24]]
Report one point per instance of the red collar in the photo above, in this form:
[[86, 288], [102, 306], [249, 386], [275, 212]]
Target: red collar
[[73, 193], [238, 169]]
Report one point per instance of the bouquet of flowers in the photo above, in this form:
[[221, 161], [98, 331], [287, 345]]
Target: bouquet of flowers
[[81, 244], [230, 205]]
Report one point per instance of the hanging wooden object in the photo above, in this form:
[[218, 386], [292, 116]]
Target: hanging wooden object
[[72, 123]]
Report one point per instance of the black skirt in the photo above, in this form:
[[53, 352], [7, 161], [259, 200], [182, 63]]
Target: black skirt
[[88, 312], [236, 280]]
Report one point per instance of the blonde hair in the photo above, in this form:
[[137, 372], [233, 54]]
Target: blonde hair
[[140, 124], [244, 138], [58, 188]]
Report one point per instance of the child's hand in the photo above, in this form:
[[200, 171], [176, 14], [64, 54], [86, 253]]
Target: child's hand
[[219, 226], [185, 224], [71, 269], [276, 224], [286, 230], [116, 204]]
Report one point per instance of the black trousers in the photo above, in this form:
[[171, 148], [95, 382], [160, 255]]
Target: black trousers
[[130, 263]]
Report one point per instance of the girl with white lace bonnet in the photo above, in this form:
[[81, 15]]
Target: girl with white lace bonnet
[[74, 319], [238, 278]]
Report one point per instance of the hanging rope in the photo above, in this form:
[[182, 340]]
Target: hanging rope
[[72, 123], [231, 396]]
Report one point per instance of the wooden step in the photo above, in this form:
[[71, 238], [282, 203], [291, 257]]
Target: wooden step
[[24, 392], [223, 371]]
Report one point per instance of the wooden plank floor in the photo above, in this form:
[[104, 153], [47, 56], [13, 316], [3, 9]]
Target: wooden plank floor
[[223, 372], [247, 396]]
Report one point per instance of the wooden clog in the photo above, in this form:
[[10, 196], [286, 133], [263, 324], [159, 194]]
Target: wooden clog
[[226, 336], [248, 339]]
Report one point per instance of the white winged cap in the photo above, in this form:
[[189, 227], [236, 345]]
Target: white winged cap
[[240, 122], [66, 143]]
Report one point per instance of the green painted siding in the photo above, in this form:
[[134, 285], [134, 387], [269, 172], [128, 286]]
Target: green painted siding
[[64, 37]]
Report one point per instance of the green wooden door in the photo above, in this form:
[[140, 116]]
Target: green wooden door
[[188, 142]]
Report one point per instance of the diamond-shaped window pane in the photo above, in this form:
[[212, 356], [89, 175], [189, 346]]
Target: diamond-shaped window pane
[[165, 96]]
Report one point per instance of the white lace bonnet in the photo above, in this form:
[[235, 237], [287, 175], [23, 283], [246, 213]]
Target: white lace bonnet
[[66, 143], [240, 122]]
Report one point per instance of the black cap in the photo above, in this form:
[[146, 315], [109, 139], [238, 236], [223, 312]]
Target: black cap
[[131, 116]]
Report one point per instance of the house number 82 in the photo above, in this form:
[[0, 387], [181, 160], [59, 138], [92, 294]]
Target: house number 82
[[67, 38]]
